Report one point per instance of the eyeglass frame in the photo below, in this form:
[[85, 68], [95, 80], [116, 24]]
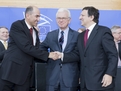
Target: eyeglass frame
[[62, 18]]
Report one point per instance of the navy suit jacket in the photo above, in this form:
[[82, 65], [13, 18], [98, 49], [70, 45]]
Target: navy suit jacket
[[19, 57], [2, 51], [119, 46], [70, 71], [99, 57]]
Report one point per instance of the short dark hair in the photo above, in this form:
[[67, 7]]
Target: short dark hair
[[92, 11], [29, 9]]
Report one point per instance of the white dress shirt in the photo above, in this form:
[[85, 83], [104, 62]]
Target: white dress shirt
[[90, 29], [33, 34]]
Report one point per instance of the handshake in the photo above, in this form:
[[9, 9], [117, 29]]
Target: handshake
[[55, 55]]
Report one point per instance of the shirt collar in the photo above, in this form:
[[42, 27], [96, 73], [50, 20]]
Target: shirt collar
[[91, 27], [2, 41], [65, 31], [118, 42], [28, 25]]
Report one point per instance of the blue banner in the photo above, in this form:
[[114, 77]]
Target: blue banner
[[48, 18]]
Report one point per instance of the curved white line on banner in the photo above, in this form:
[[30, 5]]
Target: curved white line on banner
[[46, 17]]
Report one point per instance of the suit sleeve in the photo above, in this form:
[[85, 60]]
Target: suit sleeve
[[23, 42], [111, 52], [72, 56]]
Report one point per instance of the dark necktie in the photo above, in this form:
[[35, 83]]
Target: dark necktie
[[61, 40], [31, 31], [86, 37]]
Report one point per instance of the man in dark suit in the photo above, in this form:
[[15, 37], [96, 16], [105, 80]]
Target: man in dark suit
[[17, 65], [61, 76], [116, 31], [98, 55], [4, 35], [119, 53]]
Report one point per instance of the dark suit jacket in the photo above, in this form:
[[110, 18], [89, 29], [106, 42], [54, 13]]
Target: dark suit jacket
[[119, 47], [99, 57], [70, 71], [20, 54], [2, 51]]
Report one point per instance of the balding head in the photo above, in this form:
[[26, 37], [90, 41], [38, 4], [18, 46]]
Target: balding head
[[32, 15]]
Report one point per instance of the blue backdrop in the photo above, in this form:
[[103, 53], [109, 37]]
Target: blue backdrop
[[48, 19]]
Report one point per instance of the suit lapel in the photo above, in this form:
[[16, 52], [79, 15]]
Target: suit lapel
[[70, 36], [82, 42], [27, 31], [37, 37], [2, 46], [55, 38], [91, 37]]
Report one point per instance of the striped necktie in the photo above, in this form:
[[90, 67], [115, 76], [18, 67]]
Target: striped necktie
[[61, 39]]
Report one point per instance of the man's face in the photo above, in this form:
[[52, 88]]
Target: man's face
[[85, 19], [63, 20], [34, 17], [117, 34], [4, 34]]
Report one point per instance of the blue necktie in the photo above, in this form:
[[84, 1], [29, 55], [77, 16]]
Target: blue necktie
[[61, 39]]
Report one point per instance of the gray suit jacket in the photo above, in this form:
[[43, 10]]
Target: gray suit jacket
[[70, 71]]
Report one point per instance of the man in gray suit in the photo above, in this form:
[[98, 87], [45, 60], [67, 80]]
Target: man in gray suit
[[61, 76]]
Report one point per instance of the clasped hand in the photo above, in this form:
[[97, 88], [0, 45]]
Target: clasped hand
[[55, 55]]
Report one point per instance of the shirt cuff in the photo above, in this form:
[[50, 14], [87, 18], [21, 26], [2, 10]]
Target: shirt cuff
[[62, 55]]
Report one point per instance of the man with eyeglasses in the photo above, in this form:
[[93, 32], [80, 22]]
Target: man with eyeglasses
[[61, 76]]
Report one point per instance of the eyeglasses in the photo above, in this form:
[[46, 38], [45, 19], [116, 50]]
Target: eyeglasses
[[117, 32], [62, 18]]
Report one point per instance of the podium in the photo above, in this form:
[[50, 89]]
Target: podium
[[118, 80], [40, 76]]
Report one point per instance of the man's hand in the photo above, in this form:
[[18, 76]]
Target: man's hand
[[107, 80], [60, 55], [53, 55]]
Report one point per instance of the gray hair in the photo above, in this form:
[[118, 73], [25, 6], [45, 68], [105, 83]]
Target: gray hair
[[29, 10], [62, 10], [114, 28]]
